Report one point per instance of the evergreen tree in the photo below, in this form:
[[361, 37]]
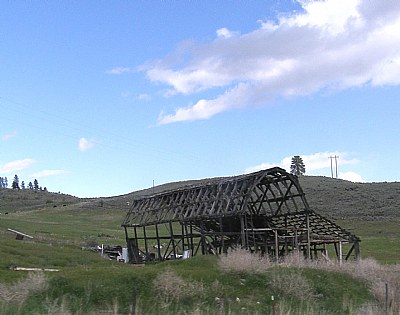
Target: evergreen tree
[[30, 185], [5, 182], [1, 183], [22, 185], [36, 184], [15, 183], [297, 168]]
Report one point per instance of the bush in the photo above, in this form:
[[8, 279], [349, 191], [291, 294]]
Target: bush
[[241, 260], [170, 287], [20, 291], [292, 284]]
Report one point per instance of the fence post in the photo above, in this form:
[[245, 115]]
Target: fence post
[[386, 298]]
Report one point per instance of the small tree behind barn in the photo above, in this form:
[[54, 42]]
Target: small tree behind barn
[[297, 167]]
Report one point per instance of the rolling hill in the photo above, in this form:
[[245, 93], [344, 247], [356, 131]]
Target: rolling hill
[[333, 198]]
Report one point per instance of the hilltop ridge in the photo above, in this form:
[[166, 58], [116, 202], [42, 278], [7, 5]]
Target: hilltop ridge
[[332, 198]]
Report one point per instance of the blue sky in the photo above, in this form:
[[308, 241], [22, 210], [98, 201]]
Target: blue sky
[[100, 98]]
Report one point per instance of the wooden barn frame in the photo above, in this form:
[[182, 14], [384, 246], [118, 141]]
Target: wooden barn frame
[[264, 212]]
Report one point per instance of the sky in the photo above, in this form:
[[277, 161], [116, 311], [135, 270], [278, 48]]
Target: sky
[[102, 98]]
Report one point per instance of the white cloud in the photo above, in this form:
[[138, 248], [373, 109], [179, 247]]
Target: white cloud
[[314, 163], [15, 166], [46, 173], [9, 136], [119, 70], [335, 44], [351, 176], [224, 33], [85, 144]]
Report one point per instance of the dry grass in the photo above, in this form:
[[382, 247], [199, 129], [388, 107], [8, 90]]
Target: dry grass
[[292, 284], [170, 287], [241, 260], [382, 280], [18, 292]]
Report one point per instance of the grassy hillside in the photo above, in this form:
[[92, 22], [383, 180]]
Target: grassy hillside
[[62, 226], [340, 199]]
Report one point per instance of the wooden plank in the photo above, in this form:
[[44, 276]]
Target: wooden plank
[[19, 235]]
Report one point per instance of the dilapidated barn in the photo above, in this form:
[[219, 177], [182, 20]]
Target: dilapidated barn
[[265, 212]]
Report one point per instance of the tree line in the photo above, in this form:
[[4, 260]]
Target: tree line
[[16, 184]]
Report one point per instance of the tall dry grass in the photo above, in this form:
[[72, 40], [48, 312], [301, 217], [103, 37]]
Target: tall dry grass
[[17, 293], [170, 287], [383, 280], [241, 260]]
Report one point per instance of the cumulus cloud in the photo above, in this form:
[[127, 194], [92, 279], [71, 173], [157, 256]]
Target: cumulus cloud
[[329, 44], [46, 173], [352, 177], [15, 166], [314, 163], [9, 136], [85, 144]]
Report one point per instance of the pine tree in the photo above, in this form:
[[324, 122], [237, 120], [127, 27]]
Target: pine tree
[[22, 185], [15, 183], [1, 183], [30, 185], [297, 168], [36, 184]]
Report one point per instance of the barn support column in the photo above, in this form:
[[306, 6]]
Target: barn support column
[[133, 249], [158, 244], [221, 230], [146, 247], [276, 246], [357, 250], [202, 239], [242, 232], [183, 237], [296, 240], [172, 239], [308, 235]]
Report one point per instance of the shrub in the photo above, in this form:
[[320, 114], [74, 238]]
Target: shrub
[[170, 287], [241, 260], [20, 291], [292, 284]]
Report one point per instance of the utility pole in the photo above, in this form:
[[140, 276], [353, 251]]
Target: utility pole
[[336, 165]]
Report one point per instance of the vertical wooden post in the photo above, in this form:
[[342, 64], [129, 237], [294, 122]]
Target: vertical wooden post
[[183, 236], [202, 241], [146, 247], [171, 231], [158, 244], [308, 236], [136, 240], [191, 239], [340, 253], [242, 235], [357, 250], [221, 229], [276, 246], [126, 233]]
